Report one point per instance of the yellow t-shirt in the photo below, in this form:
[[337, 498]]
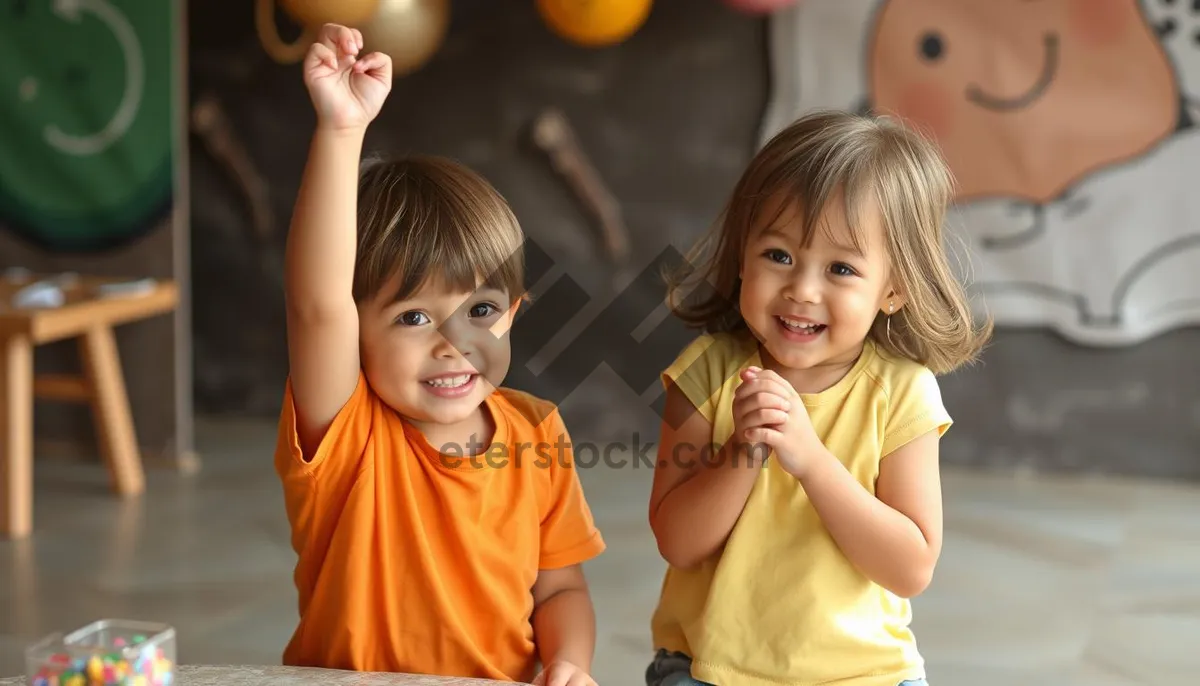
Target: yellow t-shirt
[[781, 604]]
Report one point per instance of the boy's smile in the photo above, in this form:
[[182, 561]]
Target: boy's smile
[[452, 384]]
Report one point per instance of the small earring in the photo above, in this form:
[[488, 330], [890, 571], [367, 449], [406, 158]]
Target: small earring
[[888, 322]]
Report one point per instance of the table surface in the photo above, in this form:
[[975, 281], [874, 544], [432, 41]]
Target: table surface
[[83, 305], [261, 675]]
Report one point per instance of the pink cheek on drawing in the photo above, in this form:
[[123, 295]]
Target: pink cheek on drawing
[[928, 107], [1098, 23]]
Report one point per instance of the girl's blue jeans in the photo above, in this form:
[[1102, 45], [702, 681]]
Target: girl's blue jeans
[[675, 669]]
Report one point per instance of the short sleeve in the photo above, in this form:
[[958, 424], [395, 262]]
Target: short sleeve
[[568, 533], [699, 372], [346, 432], [311, 486], [915, 408]]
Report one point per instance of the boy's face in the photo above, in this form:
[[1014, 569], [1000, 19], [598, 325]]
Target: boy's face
[[435, 356]]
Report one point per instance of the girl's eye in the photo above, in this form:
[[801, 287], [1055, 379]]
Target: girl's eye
[[412, 318], [483, 310], [842, 269], [777, 255]]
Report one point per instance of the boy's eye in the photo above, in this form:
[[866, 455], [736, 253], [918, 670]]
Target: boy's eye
[[777, 255], [842, 269], [412, 318], [483, 310]]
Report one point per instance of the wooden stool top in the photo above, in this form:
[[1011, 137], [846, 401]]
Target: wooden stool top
[[86, 302]]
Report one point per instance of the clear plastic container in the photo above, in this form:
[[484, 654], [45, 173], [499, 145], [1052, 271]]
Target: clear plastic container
[[109, 652]]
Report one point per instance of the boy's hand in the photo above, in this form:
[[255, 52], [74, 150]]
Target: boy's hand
[[347, 92], [563, 673]]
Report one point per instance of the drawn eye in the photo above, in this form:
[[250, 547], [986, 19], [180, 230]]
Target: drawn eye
[[932, 46]]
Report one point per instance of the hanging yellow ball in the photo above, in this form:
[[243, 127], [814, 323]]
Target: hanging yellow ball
[[594, 23]]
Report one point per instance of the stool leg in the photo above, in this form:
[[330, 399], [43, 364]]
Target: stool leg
[[16, 432], [110, 410]]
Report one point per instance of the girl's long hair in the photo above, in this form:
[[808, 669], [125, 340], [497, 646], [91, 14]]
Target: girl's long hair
[[830, 155]]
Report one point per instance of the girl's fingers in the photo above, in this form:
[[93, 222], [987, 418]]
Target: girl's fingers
[[764, 435], [762, 396], [766, 384], [765, 416]]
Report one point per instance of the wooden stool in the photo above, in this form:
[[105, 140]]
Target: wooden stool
[[88, 314]]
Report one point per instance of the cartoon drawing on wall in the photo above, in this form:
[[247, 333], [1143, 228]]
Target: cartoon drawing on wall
[[1070, 128], [85, 93], [991, 82]]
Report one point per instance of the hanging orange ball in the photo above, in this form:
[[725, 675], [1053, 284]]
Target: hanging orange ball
[[311, 15], [316, 13], [594, 23]]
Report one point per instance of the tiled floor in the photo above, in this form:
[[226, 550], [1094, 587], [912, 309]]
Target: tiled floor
[[1056, 582]]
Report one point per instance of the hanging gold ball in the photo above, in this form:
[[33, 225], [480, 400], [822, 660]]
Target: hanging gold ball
[[410, 31], [594, 23]]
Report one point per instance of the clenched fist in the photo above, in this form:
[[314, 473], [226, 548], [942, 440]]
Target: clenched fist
[[346, 90]]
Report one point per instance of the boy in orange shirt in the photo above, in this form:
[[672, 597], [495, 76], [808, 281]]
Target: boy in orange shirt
[[416, 558]]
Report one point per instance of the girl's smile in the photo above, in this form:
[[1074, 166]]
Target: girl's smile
[[801, 329]]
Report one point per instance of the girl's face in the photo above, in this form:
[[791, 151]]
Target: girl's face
[[812, 307]]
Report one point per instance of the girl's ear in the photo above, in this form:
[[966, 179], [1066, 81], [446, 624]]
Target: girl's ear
[[893, 302]]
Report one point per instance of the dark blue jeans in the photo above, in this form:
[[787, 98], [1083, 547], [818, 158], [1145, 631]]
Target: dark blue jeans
[[675, 669]]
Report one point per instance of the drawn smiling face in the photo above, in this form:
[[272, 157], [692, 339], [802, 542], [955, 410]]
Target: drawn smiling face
[[1025, 97]]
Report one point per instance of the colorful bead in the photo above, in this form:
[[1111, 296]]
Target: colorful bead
[[150, 668]]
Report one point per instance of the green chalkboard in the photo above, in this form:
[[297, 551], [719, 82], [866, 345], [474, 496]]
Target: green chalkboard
[[86, 120]]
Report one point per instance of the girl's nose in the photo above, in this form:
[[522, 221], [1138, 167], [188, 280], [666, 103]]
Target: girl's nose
[[803, 287]]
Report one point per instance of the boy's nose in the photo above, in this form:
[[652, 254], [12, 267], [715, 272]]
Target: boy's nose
[[451, 343]]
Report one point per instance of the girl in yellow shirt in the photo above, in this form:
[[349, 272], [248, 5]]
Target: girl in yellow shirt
[[797, 496]]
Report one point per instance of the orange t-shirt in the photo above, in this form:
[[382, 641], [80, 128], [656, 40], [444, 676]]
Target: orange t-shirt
[[414, 561]]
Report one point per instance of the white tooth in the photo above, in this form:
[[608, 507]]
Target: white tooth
[[450, 382], [805, 326]]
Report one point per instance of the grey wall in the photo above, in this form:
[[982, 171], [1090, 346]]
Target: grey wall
[[669, 119]]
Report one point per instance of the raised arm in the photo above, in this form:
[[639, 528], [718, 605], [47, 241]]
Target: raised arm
[[322, 319]]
